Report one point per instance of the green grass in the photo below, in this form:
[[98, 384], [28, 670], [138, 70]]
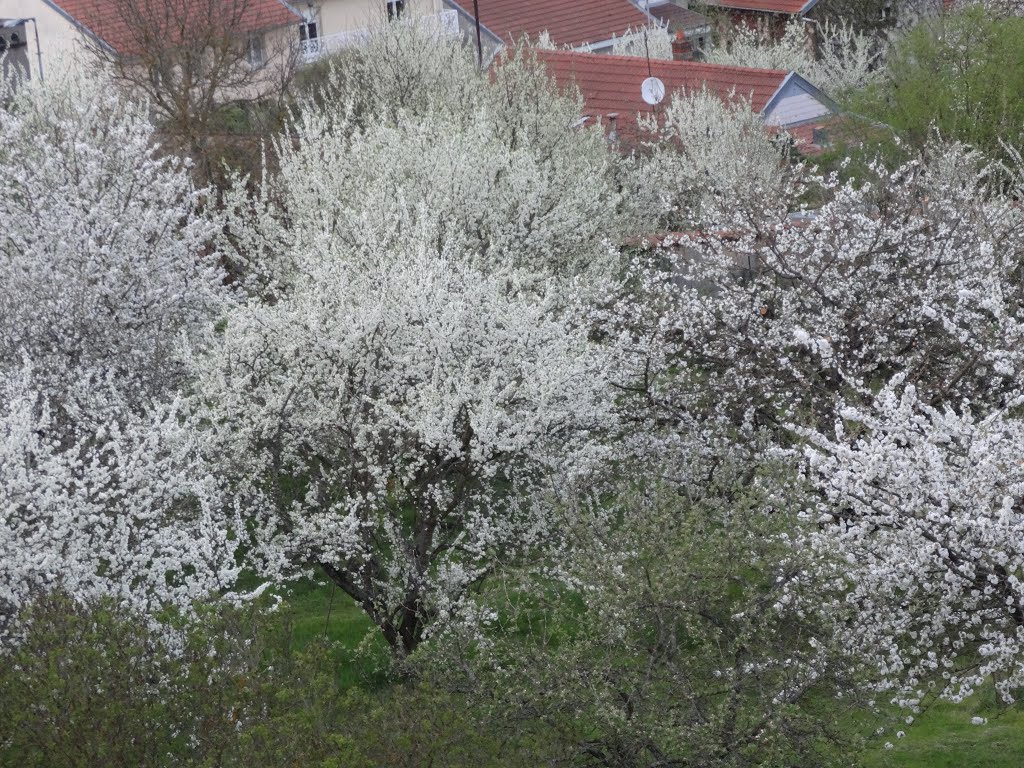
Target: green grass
[[943, 737], [318, 611]]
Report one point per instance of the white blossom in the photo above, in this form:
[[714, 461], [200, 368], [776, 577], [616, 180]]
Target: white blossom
[[925, 506], [845, 60], [125, 510], [103, 270], [102, 251], [407, 376], [651, 42]]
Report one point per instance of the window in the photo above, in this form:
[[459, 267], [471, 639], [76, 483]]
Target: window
[[395, 9], [254, 51], [309, 29]]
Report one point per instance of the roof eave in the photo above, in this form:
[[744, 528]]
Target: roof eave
[[813, 89], [735, 5], [81, 27], [294, 10]]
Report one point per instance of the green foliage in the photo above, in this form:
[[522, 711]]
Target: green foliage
[[86, 689], [97, 686], [418, 725], [696, 642], [856, 144], [961, 74]]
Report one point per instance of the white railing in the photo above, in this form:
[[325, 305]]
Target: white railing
[[446, 24]]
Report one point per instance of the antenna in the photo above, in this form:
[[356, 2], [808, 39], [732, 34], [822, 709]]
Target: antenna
[[652, 90]]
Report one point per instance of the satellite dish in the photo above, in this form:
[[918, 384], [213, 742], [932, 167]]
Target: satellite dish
[[652, 90]]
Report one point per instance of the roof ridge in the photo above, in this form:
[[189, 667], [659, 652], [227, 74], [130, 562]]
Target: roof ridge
[[666, 62]]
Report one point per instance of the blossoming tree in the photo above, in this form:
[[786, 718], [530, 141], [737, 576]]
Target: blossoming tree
[[407, 377], [925, 506], [102, 267], [791, 326]]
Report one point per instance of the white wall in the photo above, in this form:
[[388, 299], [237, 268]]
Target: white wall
[[344, 15], [794, 105], [59, 39]]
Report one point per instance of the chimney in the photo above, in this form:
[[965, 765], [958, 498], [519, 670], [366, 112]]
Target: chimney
[[613, 134], [681, 48]]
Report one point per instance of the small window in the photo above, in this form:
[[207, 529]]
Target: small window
[[254, 51], [395, 9], [309, 29]]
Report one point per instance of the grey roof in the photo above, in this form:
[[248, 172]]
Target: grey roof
[[677, 17]]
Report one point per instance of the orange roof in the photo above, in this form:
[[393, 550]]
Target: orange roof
[[767, 6], [611, 84], [569, 22], [171, 19]]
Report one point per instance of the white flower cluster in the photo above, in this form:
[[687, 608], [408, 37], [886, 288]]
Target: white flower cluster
[[846, 59], [774, 319], [792, 326], [102, 270], [123, 511], [926, 508], [652, 42], [706, 159]]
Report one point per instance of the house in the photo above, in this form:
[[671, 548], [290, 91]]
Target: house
[[684, 22], [328, 26], [590, 25], [768, 7], [775, 14], [772, 15], [134, 27], [772, 11], [610, 86]]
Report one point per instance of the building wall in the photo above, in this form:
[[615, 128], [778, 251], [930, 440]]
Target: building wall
[[58, 37], [347, 15], [60, 43], [795, 105]]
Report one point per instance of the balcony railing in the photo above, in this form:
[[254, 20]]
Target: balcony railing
[[446, 24]]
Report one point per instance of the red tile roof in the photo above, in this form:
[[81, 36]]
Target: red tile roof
[[170, 18], [766, 6], [611, 84], [568, 22]]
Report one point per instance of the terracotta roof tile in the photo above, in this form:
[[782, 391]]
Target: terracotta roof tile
[[570, 22], [611, 84], [103, 18]]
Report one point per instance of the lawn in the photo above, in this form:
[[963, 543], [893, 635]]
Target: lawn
[[320, 610], [943, 737]]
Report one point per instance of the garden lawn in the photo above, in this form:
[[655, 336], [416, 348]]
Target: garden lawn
[[318, 610], [943, 737]]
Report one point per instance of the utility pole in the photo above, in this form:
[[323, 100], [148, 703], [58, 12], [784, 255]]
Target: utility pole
[[479, 46]]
